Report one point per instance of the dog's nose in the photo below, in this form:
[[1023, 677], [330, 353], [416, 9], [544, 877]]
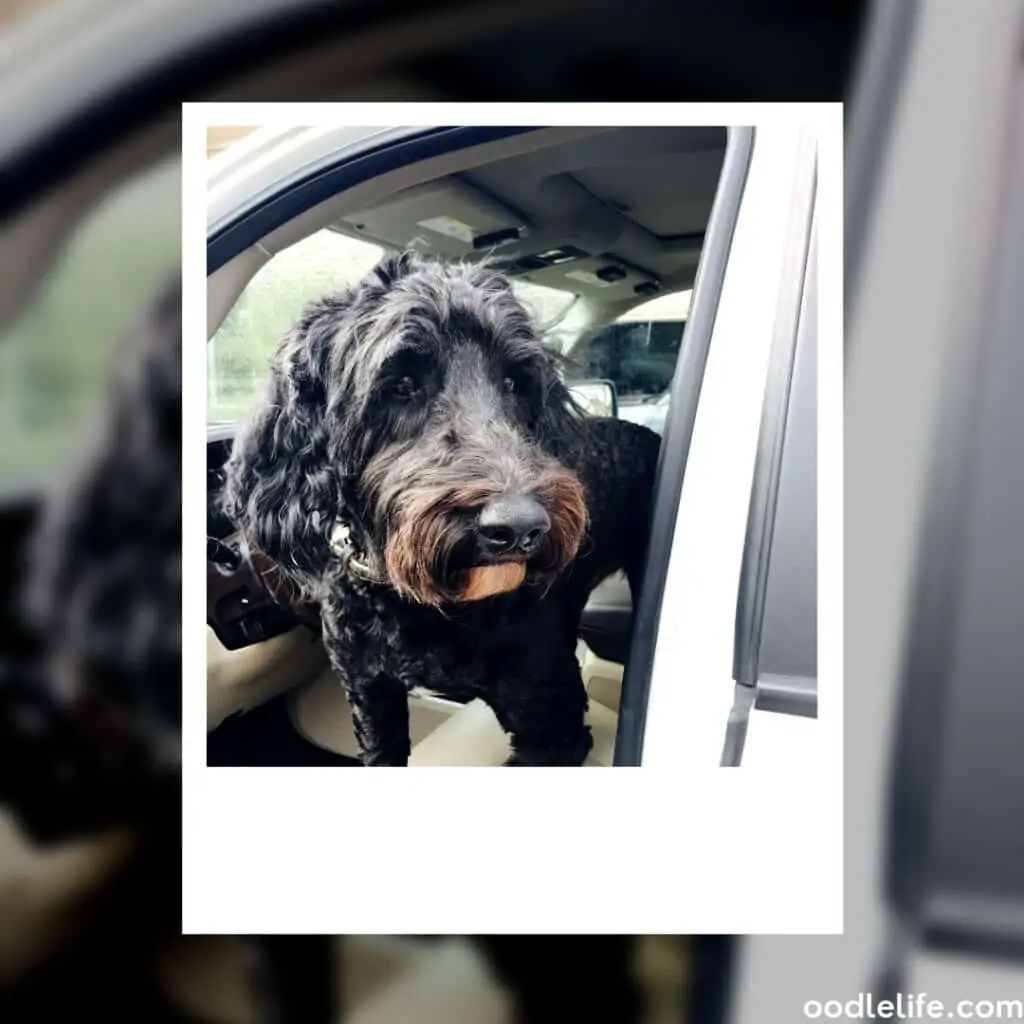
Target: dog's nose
[[512, 525]]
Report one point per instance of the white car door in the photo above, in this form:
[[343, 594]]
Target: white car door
[[724, 617]]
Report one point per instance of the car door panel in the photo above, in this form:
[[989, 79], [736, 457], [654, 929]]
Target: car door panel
[[240, 607], [239, 680], [607, 619], [258, 645]]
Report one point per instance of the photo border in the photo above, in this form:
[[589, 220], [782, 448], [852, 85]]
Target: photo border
[[675, 849]]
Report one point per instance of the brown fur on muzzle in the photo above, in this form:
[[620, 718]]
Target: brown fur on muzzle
[[491, 580], [431, 524]]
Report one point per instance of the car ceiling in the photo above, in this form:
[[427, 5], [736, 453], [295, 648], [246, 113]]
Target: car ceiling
[[618, 216]]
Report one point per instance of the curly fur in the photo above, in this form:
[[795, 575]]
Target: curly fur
[[90, 724], [90, 733], [399, 408]]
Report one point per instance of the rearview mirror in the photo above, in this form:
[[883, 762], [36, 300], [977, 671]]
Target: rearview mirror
[[596, 397]]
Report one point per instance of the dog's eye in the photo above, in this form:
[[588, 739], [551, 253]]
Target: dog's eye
[[508, 385], [406, 387]]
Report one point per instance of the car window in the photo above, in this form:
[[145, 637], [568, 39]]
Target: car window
[[553, 310], [56, 357], [640, 350], [239, 353]]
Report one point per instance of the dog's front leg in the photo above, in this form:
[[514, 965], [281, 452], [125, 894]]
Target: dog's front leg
[[544, 717], [380, 713]]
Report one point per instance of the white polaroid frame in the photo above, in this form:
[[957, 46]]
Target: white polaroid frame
[[684, 847]]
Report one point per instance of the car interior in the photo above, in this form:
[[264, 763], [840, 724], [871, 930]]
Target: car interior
[[100, 154], [609, 217]]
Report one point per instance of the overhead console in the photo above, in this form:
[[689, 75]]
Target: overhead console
[[572, 241], [448, 218], [571, 268]]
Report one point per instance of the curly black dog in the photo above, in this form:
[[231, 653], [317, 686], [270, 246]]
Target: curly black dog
[[419, 470]]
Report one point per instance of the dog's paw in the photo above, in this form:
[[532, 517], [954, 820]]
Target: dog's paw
[[383, 759], [571, 754]]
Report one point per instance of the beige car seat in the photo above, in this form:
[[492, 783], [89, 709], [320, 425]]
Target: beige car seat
[[447, 734], [472, 737]]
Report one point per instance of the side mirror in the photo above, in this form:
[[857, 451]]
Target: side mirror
[[596, 397]]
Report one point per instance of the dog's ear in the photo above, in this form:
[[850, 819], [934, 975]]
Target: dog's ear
[[281, 491], [393, 268], [491, 279]]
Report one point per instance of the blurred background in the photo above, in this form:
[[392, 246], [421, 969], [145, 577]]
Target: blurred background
[[934, 483]]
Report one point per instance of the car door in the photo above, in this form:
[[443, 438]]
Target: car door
[[775, 653], [932, 851], [741, 582]]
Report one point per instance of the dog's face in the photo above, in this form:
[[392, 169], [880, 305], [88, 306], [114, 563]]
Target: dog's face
[[437, 416]]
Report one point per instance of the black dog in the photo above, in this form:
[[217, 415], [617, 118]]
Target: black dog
[[420, 471]]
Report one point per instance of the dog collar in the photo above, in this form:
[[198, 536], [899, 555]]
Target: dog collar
[[342, 546]]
